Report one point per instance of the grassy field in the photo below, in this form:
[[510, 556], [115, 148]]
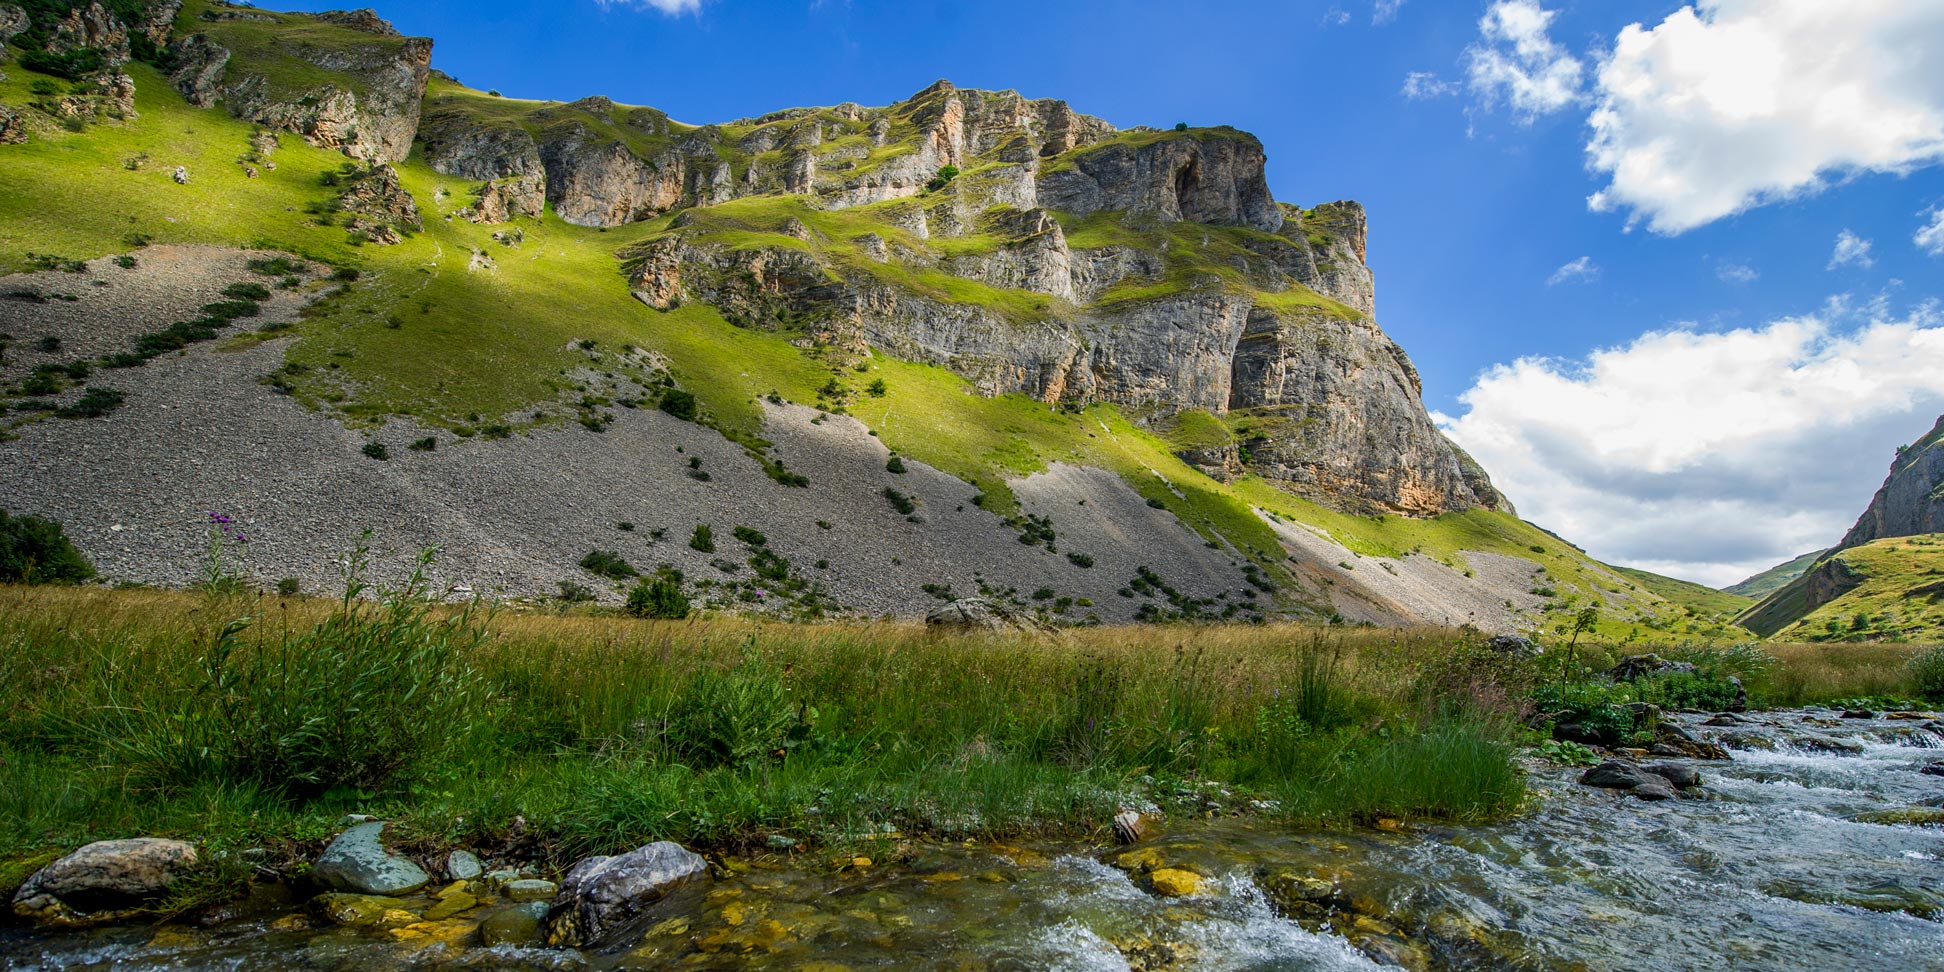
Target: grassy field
[[243, 719], [1900, 597]]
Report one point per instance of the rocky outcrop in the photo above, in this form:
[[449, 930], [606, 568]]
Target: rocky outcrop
[[13, 20], [601, 894], [104, 881], [370, 110], [980, 614], [91, 28], [502, 200], [1911, 500], [379, 207], [1198, 176]]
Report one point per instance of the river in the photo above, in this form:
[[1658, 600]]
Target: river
[[1770, 870]]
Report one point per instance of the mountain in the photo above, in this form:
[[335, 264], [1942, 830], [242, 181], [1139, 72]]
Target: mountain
[[1886, 577], [1767, 582], [966, 342], [1702, 601]]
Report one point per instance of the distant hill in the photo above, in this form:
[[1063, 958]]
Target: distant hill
[[1701, 600], [1769, 581], [1891, 589], [1886, 576]]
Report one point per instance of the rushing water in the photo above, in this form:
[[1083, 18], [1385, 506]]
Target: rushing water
[[1769, 872]]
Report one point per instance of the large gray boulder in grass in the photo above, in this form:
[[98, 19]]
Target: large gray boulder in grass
[[358, 862], [980, 614], [601, 894], [104, 881]]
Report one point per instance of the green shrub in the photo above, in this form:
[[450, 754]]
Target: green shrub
[[93, 403], [660, 598], [428, 444], [895, 464], [247, 291], [288, 586], [1686, 690], [899, 501], [229, 310], [371, 693], [574, 592], [1927, 673], [376, 450], [742, 716], [749, 536], [36, 551], [609, 564], [703, 540], [679, 404], [276, 267], [944, 178]]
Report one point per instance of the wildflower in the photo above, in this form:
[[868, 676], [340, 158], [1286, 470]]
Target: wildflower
[[219, 519]]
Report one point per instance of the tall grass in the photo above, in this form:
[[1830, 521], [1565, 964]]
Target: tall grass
[[134, 711]]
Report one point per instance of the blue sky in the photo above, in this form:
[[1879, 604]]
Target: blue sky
[[1477, 183]]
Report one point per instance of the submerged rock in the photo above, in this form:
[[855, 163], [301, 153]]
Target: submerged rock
[[104, 881], [518, 925], [358, 862], [601, 893]]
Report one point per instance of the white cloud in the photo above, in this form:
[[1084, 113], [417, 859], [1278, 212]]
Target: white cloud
[[1516, 62], [1709, 456], [1730, 104], [1851, 250], [1581, 270], [1930, 236], [1737, 273], [1423, 85], [673, 8], [1385, 11]]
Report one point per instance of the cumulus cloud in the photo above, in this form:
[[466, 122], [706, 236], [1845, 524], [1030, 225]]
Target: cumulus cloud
[[1851, 251], [1709, 456], [1516, 62], [1930, 236], [1730, 104], [673, 8], [1581, 270], [1423, 85], [1736, 273]]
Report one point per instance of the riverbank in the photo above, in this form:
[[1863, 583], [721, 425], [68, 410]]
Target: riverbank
[[243, 721]]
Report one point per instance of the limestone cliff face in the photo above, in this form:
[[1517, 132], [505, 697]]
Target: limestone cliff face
[[369, 108], [1911, 500]]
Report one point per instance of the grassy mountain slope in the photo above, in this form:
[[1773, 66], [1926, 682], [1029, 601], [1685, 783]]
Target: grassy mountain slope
[[432, 333], [1700, 600], [1898, 595], [1775, 578]]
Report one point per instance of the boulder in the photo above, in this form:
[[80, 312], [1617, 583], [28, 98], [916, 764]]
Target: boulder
[[1932, 769], [1133, 826], [356, 910], [1672, 740], [463, 865], [1858, 714], [358, 862], [601, 894], [1516, 646], [1615, 774], [1654, 792], [1681, 776], [181, 175], [1640, 666], [1173, 882], [104, 881], [980, 614]]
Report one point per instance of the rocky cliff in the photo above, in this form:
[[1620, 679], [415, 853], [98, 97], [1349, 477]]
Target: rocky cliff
[[341, 80], [1033, 249], [1911, 500], [1910, 503]]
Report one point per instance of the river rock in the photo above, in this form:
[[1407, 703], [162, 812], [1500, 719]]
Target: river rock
[[531, 889], [1640, 666], [104, 881], [1672, 740], [1678, 775], [1654, 791], [358, 862], [518, 925], [463, 865], [1133, 826], [1858, 714], [601, 893], [1932, 769], [1615, 774], [359, 910], [1173, 882]]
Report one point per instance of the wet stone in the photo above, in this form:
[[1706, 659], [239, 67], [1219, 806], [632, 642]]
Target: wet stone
[[517, 925], [463, 865], [530, 889]]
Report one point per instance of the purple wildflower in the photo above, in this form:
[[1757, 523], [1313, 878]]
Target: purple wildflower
[[219, 519]]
